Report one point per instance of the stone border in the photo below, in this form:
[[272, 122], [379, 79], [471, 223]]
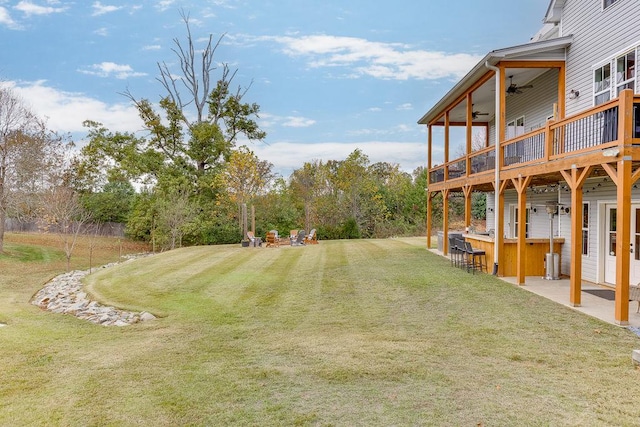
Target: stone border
[[64, 294]]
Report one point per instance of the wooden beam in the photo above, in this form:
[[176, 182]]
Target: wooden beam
[[521, 184], [561, 90], [499, 233], [445, 221], [623, 241], [429, 218], [467, 190], [469, 132], [576, 178]]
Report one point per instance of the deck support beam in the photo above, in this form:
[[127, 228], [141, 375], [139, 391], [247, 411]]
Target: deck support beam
[[521, 184], [575, 178], [445, 221]]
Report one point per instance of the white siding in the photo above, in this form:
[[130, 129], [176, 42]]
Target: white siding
[[597, 35], [536, 104]]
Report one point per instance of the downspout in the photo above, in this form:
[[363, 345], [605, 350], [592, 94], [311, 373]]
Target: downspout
[[496, 207]]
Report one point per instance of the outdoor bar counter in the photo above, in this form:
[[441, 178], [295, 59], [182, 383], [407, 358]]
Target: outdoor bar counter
[[536, 249]]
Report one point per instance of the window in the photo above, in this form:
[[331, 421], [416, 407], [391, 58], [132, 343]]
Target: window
[[515, 127], [527, 214], [607, 3], [625, 71], [585, 229], [601, 84]]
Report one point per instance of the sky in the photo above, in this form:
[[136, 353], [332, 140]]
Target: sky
[[330, 76]]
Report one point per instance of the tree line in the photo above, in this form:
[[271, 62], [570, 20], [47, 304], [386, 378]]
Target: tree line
[[185, 179]]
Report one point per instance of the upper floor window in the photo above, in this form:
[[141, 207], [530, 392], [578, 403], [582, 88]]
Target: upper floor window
[[515, 127], [607, 3], [625, 71], [602, 84]]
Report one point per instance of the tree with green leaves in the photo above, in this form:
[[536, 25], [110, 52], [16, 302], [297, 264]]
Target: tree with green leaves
[[189, 136]]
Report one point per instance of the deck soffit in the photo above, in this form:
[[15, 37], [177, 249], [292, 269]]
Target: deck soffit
[[546, 50]]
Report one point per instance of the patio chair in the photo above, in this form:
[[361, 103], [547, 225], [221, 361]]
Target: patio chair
[[311, 238], [293, 234], [299, 241], [272, 239], [253, 240]]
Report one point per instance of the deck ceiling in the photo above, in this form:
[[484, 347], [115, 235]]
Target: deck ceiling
[[483, 98]]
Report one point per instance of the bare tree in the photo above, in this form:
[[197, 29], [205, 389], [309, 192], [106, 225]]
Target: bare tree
[[15, 119], [63, 214]]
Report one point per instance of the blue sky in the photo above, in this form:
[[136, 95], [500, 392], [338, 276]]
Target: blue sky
[[330, 76]]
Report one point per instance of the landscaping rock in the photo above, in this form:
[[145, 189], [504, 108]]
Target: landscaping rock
[[64, 294]]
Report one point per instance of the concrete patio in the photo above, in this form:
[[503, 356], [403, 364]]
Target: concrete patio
[[558, 291]]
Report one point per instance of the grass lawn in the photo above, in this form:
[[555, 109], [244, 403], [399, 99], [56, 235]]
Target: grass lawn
[[344, 333]]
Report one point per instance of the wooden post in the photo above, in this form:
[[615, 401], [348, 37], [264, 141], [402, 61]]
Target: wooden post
[[575, 178], [623, 241], [466, 189], [429, 219], [521, 184], [499, 233], [445, 221], [244, 221], [253, 219]]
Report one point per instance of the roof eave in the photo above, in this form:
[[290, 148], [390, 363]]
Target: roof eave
[[492, 58]]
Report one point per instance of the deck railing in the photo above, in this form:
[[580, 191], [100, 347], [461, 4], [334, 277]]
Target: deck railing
[[596, 128]]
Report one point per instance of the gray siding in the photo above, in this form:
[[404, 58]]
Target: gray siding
[[597, 35], [537, 105]]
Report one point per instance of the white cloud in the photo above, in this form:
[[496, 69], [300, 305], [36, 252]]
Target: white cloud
[[152, 47], [100, 9], [298, 122], [111, 69], [164, 4], [389, 61], [270, 120], [29, 9], [405, 107], [288, 156], [6, 19], [65, 111], [101, 32]]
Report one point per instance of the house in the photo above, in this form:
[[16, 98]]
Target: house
[[550, 131]]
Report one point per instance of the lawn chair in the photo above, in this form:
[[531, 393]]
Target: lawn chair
[[299, 241], [311, 238], [253, 240], [293, 234], [272, 239]]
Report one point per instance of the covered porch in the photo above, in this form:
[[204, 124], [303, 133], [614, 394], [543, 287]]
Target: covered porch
[[603, 141]]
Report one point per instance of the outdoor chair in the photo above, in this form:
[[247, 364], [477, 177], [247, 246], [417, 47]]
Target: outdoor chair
[[454, 251], [476, 258], [299, 240], [253, 240], [272, 239], [311, 238], [293, 234]]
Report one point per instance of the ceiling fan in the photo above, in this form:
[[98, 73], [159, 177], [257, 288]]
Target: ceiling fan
[[514, 88], [475, 114]]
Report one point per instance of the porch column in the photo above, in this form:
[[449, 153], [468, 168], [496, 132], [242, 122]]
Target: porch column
[[445, 221], [499, 232], [521, 184], [575, 178], [623, 241], [466, 189], [429, 162], [429, 206]]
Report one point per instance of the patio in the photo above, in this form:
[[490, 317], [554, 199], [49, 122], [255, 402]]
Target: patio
[[558, 291]]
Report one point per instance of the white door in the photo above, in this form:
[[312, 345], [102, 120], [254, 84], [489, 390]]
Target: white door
[[610, 249]]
